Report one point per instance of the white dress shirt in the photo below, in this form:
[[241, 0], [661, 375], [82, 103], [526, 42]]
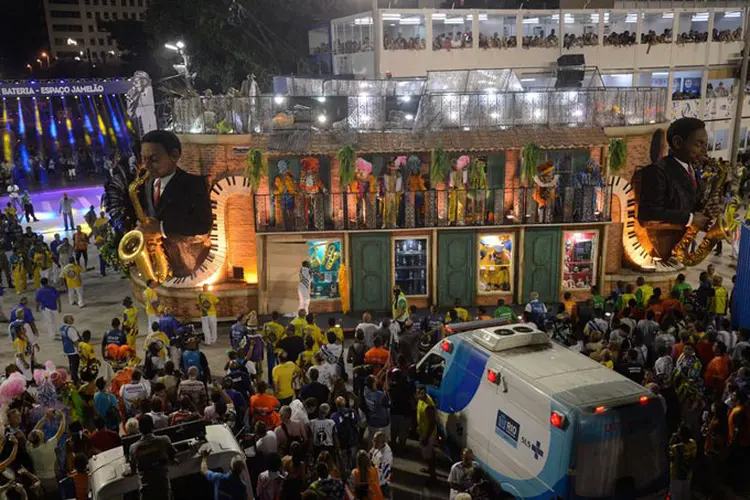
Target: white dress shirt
[[691, 173]]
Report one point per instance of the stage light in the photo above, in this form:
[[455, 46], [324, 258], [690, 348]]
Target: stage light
[[180, 44], [279, 99]]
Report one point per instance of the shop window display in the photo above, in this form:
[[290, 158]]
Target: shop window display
[[410, 265], [325, 260], [495, 263], [579, 260]]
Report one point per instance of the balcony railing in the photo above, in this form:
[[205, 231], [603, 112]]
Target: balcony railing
[[426, 209], [596, 107]]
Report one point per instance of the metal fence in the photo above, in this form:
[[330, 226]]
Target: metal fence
[[548, 108], [426, 209]]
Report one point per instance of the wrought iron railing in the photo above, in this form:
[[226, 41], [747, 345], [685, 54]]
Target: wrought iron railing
[[432, 208], [597, 107]]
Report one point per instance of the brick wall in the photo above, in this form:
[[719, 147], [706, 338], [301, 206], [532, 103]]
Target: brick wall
[[597, 154], [639, 155], [242, 250]]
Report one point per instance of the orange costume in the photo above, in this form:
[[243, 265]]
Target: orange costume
[[364, 187], [545, 189], [284, 189]]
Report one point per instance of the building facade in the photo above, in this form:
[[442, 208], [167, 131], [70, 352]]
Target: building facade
[[82, 21], [694, 53]]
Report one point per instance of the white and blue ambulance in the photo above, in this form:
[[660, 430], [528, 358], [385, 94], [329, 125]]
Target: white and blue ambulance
[[544, 421]]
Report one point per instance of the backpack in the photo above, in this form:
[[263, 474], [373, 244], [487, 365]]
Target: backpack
[[347, 430]]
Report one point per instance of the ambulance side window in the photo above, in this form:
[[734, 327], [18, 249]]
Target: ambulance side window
[[431, 371]]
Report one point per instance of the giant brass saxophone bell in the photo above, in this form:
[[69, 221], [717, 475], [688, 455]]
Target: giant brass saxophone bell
[[137, 249]]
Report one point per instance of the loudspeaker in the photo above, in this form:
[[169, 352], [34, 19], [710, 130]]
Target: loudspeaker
[[238, 273], [571, 60], [569, 78]]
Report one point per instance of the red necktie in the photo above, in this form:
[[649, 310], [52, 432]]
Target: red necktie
[[157, 191], [692, 177]]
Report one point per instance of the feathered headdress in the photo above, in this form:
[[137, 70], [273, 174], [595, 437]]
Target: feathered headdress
[[310, 164], [462, 162], [400, 161]]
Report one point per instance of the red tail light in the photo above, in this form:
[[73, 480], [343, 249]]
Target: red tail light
[[643, 400], [493, 377], [600, 409], [446, 346], [557, 419]]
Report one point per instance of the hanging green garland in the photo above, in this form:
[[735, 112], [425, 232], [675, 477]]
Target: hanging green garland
[[439, 166], [618, 153], [256, 167], [530, 156], [347, 160]]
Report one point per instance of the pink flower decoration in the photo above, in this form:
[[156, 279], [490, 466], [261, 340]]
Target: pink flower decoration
[[400, 161]]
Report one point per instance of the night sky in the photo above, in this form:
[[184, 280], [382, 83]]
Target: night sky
[[22, 37]]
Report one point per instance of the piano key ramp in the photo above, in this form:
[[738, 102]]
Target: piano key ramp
[[210, 271], [635, 242]]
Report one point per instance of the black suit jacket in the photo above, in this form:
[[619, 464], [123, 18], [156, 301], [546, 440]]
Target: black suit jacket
[[667, 196], [184, 207]]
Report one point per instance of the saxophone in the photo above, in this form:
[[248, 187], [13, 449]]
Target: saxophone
[[715, 209], [135, 248]]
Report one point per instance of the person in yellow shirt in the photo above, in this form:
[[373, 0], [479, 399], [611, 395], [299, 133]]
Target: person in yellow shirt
[[299, 322], [427, 428], [19, 273], [337, 330], [571, 308], [283, 378], [89, 363], [313, 331], [718, 303], [10, 212], [72, 274], [307, 357], [130, 321], [207, 304], [273, 331], [158, 337], [24, 353], [461, 313], [151, 299]]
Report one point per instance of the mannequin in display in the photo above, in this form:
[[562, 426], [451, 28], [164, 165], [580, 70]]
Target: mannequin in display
[[457, 183], [588, 183], [284, 189], [311, 188], [364, 187], [545, 190], [478, 190], [393, 187], [416, 189]]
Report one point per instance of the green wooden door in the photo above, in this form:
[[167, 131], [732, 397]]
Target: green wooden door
[[541, 264], [496, 171], [456, 267], [370, 268]]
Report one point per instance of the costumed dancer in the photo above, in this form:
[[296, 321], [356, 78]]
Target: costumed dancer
[[588, 181], [284, 189], [457, 183], [207, 304], [545, 190], [393, 187], [365, 187], [416, 187], [478, 193], [305, 285], [253, 346], [311, 187], [19, 273], [130, 322]]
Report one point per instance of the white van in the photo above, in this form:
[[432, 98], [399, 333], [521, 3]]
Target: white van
[[544, 421]]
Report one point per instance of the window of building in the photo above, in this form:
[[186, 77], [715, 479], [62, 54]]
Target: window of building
[[95, 55], [326, 259], [65, 14], [653, 79], [132, 3], [88, 15], [140, 3], [581, 30], [123, 3], [96, 2], [568, 163], [743, 138], [93, 42], [75, 28], [103, 54], [497, 31], [410, 272], [114, 16], [106, 15], [692, 27], [109, 40], [495, 263], [686, 85], [727, 26], [59, 41], [619, 28], [352, 35], [579, 259], [132, 16], [404, 32], [657, 27], [91, 28], [720, 87], [101, 41], [451, 31], [141, 16], [540, 31], [98, 16], [721, 140], [618, 80], [88, 2]]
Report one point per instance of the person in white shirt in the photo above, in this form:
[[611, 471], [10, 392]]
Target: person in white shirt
[[726, 335], [460, 475], [305, 284], [381, 457], [323, 431], [368, 329], [327, 372], [133, 393], [663, 367], [265, 440], [42, 451]]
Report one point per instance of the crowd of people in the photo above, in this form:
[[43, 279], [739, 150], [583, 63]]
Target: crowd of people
[[495, 41], [452, 41], [692, 36], [540, 40], [624, 39], [727, 35], [681, 344], [571, 40], [400, 42], [651, 38]]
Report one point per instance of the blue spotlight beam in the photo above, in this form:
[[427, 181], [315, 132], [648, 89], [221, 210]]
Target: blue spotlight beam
[[115, 103], [22, 135]]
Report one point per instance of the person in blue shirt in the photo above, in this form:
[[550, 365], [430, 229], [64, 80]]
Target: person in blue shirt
[[113, 336], [167, 323], [191, 356], [105, 405], [48, 300], [237, 333], [70, 338], [231, 485], [28, 316]]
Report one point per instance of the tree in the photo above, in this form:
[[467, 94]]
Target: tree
[[137, 47], [226, 40]]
